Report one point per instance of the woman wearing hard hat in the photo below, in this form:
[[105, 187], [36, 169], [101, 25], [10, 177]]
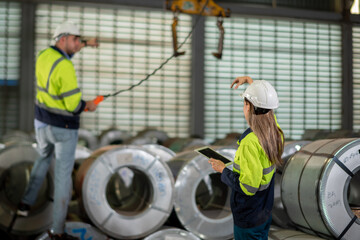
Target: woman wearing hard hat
[[260, 149]]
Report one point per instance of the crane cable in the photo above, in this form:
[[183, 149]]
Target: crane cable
[[161, 65]]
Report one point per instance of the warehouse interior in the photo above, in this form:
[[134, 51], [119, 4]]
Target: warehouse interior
[[167, 92]]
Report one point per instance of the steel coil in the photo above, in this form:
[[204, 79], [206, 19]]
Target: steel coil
[[140, 141], [113, 137], [202, 201], [87, 139], [318, 190], [16, 136], [164, 153], [128, 192], [84, 167], [291, 147], [230, 140], [172, 233], [184, 144], [15, 166], [279, 215], [157, 136], [81, 230], [81, 153]]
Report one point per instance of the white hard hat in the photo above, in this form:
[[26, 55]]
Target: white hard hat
[[66, 28], [262, 95]]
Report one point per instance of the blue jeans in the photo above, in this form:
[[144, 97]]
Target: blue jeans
[[61, 142], [259, 233]]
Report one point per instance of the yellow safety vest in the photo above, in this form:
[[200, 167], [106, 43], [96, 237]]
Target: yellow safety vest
[[253, 165], [256, 170], [57, 88]]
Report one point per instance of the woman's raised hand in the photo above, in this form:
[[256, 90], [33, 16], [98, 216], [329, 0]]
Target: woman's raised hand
[[241, 80]]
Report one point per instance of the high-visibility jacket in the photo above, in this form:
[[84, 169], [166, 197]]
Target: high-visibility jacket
[[251, 181], [58, 98]]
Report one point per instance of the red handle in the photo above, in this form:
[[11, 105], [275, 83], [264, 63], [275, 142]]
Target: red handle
[[97, 100]]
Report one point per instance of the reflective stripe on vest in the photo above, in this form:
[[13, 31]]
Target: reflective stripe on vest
[[265, 170], [57, 97], [61, 96], [253, 190], [46, 90], [53, 110]]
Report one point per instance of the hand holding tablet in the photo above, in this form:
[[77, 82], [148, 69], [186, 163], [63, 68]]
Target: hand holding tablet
[[211, 153]]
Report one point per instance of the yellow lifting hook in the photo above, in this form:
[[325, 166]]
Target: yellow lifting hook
[[200, 7]]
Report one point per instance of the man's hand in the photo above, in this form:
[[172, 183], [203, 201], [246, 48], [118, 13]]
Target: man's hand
[[90, 106], [241, 80], [217, 165], [92, 42]]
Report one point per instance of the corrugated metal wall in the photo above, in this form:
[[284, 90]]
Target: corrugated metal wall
[[10, 22], [301, 59]]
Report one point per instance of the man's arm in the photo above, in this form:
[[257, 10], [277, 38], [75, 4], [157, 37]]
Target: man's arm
[[93, 42]]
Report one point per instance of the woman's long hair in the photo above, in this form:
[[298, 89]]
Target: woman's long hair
[[269, 134]]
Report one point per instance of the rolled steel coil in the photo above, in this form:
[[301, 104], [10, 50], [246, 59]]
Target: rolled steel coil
[[84, 167], [279, 214], [202, 201], [291, 147], [16, 136], [277, 233], [81, 230], [172, 233], [157, 136], [15, 166], [226, 142], [230, 140], [87, 139], [164, 153], [85, 158], [113, 137], [127, 192], [140, 141], [318, 190], [81, 153], [184, 144]]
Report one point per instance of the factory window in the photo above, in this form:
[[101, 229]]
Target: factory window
[[133, 42], [10, 24], [301, 59], [356, 77]]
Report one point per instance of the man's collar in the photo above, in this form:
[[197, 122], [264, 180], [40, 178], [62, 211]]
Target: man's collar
[[62, 52]]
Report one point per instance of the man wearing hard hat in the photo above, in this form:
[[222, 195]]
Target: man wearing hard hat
[[58, 107]]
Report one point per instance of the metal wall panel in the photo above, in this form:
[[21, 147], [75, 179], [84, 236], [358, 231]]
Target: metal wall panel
[[356, 78], [10, 22], [301, 59]]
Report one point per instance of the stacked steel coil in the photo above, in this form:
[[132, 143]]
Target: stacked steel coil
[[317, 188], [126, 191], [202, 201], [129, 191]]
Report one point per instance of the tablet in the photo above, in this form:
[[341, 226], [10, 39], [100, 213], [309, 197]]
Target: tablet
[[211, 153]]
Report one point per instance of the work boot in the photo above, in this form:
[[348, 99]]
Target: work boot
[[23, 209], [63, 236]]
